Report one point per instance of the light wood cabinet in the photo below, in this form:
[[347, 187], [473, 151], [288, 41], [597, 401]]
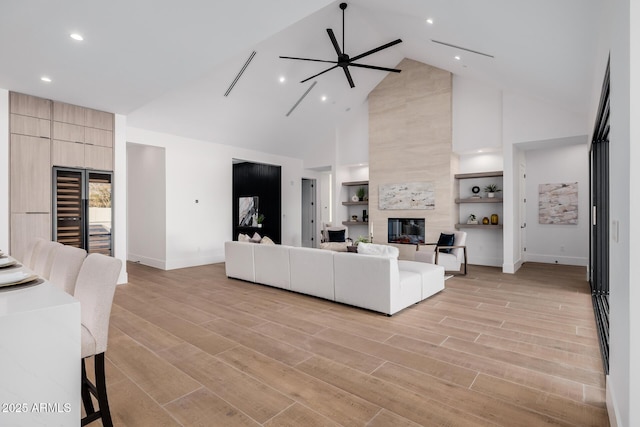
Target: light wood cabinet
[[98, 119], [96, 157], [43, 134], [65, 153], [103, 138], [30, 174], [68, 132], [67, 113], [25, 227], [31, 126], [28, 105]]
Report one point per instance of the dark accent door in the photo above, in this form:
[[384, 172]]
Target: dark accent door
[[260, 186]]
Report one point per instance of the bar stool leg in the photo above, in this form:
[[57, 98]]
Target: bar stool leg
[[101, 386], [99, 390]]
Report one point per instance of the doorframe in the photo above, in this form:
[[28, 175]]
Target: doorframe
[[309, 224]]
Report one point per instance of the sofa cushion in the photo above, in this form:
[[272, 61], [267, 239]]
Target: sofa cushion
[[431, 275], [335, 246], [238, 260], [381, 250], [272, 265], [312, 272]]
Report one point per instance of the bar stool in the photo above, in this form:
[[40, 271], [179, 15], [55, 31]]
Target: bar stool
[[28, 258], [66, 265], [95, 287], [42, 258]]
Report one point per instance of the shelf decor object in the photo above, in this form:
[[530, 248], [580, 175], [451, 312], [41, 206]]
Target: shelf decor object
[[352, 188]]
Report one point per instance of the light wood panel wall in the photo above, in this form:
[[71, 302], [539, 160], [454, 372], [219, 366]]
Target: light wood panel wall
[[410, 140]]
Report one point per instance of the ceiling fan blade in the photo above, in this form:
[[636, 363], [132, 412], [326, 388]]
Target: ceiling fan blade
[[378, 49], [336, 46], [348, 74], [308, 59], [322, 72], [373, 67]]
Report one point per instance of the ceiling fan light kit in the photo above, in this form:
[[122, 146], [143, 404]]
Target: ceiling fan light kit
[[343, 60]]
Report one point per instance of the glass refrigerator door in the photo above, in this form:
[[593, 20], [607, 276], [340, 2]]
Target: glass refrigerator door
[[69, 210], [99, 213]]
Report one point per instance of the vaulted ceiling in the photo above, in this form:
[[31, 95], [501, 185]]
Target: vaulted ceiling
[[167, 64]]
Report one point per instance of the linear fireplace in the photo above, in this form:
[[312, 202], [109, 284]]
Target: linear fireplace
[[406, 230]]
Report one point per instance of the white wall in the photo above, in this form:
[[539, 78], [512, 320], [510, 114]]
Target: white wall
[[353, 137], [147, 221], [120, 194], [200, 170], [623, 382], [484, 162], [4, 170], [477, 116], [528, 120], [550, 243]]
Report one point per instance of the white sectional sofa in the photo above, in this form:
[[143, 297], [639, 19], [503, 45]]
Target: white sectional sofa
[[374, 282]]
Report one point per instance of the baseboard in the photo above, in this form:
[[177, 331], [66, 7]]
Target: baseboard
[[124, 277], [489, 262], [612, 409], [193, 262], [556, 259], [151, 262]]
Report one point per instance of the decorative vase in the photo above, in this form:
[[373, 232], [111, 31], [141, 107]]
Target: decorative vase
[[494, 219], [485, 220]]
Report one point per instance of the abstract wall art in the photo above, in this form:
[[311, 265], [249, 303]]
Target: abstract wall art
[[558, 203], [410, 195]]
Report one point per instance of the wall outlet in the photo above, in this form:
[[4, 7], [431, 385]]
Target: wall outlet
[[562, 248]]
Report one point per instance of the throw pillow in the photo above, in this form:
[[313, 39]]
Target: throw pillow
[[266, 241], [336, 235], [243, 238], [256, 238], [381, 250], [334, 246], [446, 240]]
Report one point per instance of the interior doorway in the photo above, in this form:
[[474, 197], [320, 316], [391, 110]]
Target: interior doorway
[[308, 226]]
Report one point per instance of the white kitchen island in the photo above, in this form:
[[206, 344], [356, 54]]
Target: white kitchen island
[[39, 357]]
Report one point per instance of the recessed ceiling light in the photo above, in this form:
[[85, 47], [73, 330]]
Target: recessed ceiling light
[[324, 98], [282, 79], [76, 37], [429, 21], [45, 79], [457, 58]]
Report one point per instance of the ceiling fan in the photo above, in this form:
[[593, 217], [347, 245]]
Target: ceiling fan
[[344, 60]]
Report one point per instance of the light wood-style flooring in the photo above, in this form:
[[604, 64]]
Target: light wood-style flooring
[[191, 347]]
